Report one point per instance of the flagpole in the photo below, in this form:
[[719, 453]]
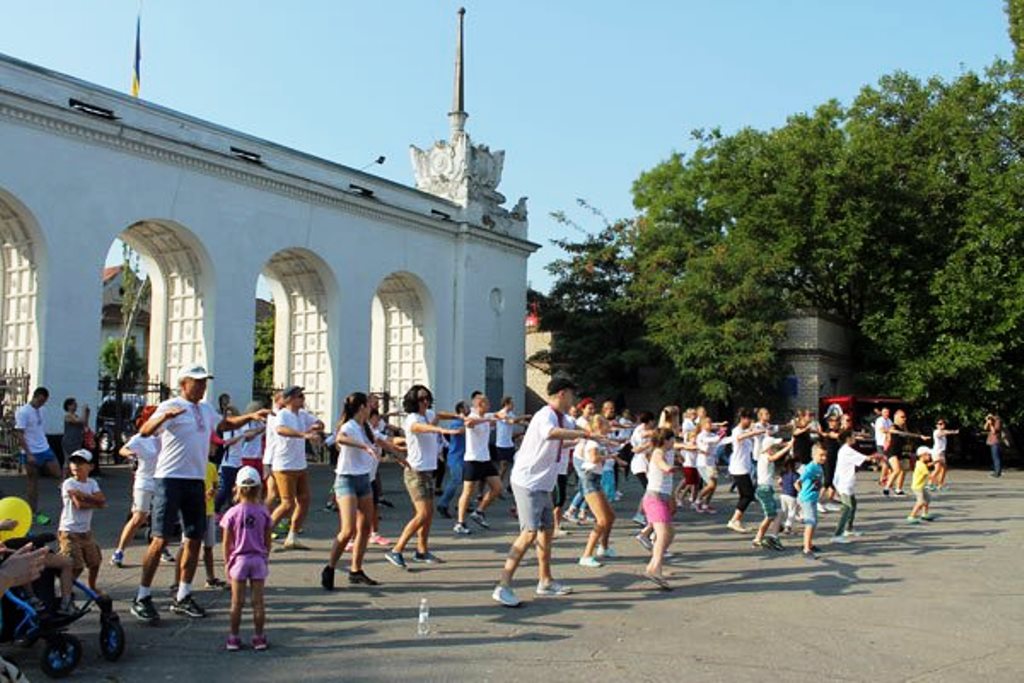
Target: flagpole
[[137, 63]]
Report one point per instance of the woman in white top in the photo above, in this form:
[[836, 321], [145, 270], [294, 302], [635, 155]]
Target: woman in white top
[[740, 466], [939, 441], [594, 456], [357, 463], [659, 503], [640, 441]]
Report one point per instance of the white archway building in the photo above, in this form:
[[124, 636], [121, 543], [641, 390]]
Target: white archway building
[[438, 298]]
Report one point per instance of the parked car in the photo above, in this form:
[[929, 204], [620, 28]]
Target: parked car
[[865, 410], [106, 420]]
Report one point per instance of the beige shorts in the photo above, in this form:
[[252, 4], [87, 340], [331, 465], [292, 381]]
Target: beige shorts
[[292, 484], [142, 500], [81, 548], [420, 485]]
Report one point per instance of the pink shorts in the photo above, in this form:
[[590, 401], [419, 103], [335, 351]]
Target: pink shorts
[[657, 509], [248, 567]]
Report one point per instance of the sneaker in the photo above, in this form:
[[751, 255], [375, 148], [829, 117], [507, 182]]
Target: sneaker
[[913, 520], [758, 544], [117, 559], [900, 492], [553, 588], [295, 545], [259, 643], [360, 578], [850, 533], [234, 644], [640, 519], [840, 539], [396, 559], [167, 557], [591, 562], [42, 519], [506, 596], [443, 511], [645, 542], [216, 583], [188, 607], [927, 516], [562, 533], [737, 527], [809, 555], [283, 526], [885, 492], [144, 610], [832, 507], [658, 581], [774, 543], [822, 509], [427, 558], [377, 539], [479, 518], [327, 578], [461, 529], [787, 530]]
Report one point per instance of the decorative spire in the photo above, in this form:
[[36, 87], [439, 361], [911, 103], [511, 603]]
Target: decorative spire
[[457, 116]]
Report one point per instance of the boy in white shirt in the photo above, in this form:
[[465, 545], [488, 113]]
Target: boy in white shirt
[[81, 495], [845, 482]]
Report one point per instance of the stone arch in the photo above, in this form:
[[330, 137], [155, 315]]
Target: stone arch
[[303, 288], [403, 335], [20, 252], [181, 313]]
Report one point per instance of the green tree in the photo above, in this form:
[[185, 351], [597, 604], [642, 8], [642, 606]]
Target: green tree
[[110, 361], [263, 354]]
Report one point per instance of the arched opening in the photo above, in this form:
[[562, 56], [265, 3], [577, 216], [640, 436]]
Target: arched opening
[[402, 335], [166, 315], [299, 286], [19, 290]]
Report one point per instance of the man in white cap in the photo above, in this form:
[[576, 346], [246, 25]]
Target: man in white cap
[[184, 425]]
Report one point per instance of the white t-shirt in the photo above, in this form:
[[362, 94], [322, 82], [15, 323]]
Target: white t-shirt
[[73, 519], [289, 451], [536, 463], [147, 452], [585, 449], [421, 448], [659, 481], [31, 420], [845, 478], [351, 460], [882, 425], [690, 456], [232, 453], [939, 442], [252, 449], [741, 459], [564, 458], [477, 438], [185, 440], [270, 439], [638, 465], [765, 468], [503, 433], [706, 442]]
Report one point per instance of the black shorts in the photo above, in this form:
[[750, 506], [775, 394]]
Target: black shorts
[[186, 497], [478, 471], [502, 454]]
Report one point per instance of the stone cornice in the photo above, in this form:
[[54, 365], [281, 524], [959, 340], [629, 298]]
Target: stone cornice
[[138, 142]]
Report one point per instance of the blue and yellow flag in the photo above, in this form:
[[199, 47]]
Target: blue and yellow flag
[[137, 68]]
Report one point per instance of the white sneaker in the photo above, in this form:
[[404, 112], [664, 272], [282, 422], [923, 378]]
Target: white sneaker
[[606, 552], [591, 562], [852, 534], [737, 527], [821, 509], [554, 588], [506, 596], [840, 539], [461, 530], [832, 507]]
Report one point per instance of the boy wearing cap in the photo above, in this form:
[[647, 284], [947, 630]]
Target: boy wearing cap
[[81, 495], [919, 485]]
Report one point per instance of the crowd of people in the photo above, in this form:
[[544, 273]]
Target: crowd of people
[[199, 469]]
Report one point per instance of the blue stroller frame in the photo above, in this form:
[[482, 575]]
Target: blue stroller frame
[[63, 650]]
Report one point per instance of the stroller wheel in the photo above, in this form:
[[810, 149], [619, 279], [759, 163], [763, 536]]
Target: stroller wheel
[[61, 655], [112, 641]]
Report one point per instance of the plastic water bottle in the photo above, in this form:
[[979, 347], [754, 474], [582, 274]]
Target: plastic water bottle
[[423, 626]]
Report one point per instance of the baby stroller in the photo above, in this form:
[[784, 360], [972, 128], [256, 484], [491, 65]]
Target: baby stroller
[[22, 622]]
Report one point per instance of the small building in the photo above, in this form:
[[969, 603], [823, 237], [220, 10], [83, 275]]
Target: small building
[[112, 321], [816, 352]]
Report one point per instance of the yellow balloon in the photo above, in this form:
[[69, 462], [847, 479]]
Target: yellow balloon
[[20, 512]]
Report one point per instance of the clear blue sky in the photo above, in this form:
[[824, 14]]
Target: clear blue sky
[[582, 94]]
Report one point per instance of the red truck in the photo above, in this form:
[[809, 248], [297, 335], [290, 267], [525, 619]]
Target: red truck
[[865, 410]]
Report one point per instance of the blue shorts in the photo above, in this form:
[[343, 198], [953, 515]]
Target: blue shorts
[[183, 499], [590, 483], [809, 512], [43, 458], [357, 485]]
